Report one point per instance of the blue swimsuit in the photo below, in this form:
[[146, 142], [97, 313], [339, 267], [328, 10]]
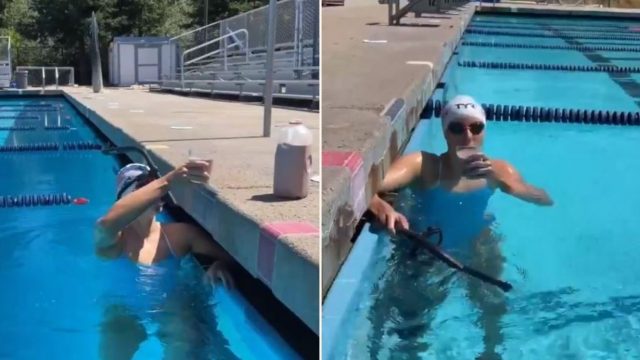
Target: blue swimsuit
[[460, 215], [145, 288]]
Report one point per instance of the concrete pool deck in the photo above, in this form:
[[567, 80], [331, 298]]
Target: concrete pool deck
[[376, 80], [276, 241]]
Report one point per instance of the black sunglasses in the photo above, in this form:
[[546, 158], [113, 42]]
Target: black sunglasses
[[458, 128]]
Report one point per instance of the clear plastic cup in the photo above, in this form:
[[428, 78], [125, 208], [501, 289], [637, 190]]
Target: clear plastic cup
[[196, 156], [464, 152]]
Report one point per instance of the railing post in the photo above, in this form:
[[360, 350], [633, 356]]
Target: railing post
[[295, 32], [268, 83], [43, 77], [182, 71], [246, 48], [224, 43], [56, 77], [72, 77]]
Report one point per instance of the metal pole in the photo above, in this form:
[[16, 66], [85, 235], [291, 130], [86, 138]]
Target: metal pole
[[182, 71], [268, 82], [206, 12], [296, 32], [206, 19], [96, 67]]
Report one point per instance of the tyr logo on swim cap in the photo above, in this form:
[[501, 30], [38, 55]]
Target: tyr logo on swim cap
[[128, 176], [462, 106]]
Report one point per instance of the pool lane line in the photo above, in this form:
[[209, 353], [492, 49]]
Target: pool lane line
[[608, 68], [471, 30], [550, 47], [623, 79]]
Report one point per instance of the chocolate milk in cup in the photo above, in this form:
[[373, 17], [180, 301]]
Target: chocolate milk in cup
[[293, 162]]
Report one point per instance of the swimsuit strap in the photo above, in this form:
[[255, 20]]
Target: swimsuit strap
[[168, 242], [439, 169]]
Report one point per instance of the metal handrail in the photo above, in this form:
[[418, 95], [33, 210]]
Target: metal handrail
[[55, 68], [218, 39]]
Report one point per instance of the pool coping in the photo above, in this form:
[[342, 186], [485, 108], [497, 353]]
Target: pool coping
[[341, 293], [278, 259]]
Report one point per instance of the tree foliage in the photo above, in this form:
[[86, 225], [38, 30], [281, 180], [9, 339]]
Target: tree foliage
[[55, 32]]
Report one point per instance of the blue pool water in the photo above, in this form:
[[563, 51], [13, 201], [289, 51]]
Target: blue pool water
[[57, 295], [573, 266]]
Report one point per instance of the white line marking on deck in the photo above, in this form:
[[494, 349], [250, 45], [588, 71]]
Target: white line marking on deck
[[428, 63], [156, 146]]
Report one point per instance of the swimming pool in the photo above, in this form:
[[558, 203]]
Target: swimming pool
[[572, 265], [58, 299]]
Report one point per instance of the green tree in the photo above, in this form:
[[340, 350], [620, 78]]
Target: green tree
[[55, 32], [18, 20]]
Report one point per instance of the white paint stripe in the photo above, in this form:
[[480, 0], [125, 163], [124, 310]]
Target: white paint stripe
[[156, 146], [375, 41], [428, 63], [182, 127]]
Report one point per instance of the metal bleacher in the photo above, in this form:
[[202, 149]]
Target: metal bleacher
[[228, 57], [401, 8]]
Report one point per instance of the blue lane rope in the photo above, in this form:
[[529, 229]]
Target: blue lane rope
[[10, 201], [498, 112], [471, 30], [541, 28], [549, 67], [587, 48], [65, 146]]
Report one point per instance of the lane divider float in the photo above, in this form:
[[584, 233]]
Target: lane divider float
[[498, 112]]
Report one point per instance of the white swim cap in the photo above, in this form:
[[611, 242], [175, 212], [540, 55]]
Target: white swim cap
[[127, 177], [462, 106]]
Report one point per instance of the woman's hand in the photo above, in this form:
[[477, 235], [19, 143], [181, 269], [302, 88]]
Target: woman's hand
[[218, 273], [387, 216], [191, 171], [478, 166]]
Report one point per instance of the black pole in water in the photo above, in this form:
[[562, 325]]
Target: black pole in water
[[437, 252]]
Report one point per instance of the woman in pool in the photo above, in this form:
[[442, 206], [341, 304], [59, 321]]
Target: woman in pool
[[150, 256], [453, 191]]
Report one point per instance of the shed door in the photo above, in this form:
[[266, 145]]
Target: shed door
[[127, 64], [148, 64]]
